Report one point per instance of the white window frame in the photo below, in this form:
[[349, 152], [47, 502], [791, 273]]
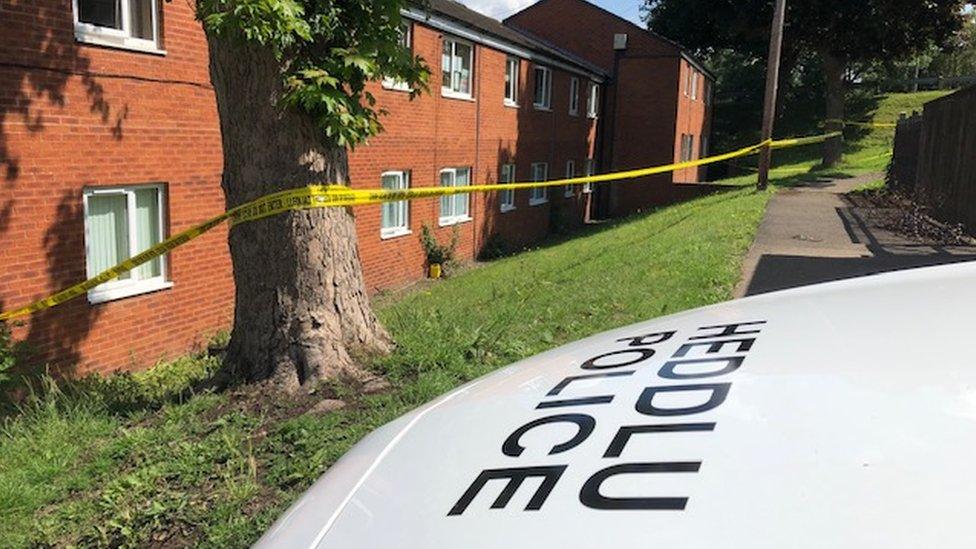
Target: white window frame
[[119, 38], [451, 92], [593, 101], [506, 199], [570, 190], [588, 170], [454, 218], [513, 66], [118, 289], [574, 88], [694, 85], [403, 205], [539, 195], [406, 39], [546, 101]]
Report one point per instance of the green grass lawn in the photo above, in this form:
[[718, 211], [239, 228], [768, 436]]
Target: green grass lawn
[[215, 469], [133, 461]]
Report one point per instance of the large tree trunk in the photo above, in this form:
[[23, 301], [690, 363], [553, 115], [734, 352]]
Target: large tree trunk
[[834, 74], [301, 310]]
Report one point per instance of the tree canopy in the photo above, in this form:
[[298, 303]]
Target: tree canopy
[[853, 31], [834, 38], [328, 51]]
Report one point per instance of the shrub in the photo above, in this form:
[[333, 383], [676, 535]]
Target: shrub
[[123, 392], [495, 247], [436, 252], [12, 355], [8, 355]]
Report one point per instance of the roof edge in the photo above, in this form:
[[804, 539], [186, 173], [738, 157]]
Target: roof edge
[[681, 50]]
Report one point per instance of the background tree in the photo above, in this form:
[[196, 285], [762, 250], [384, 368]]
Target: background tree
[[290, 79], [840, 34]]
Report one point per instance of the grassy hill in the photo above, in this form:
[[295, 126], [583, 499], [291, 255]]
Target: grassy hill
[[866, 150]]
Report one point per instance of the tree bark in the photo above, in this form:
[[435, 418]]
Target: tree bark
[[834, 74], [301, 309]]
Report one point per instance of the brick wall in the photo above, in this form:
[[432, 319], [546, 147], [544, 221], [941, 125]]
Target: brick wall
[[433, 132], [76, 116], [647, 109]]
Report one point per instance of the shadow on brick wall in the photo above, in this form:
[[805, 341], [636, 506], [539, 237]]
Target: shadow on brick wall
[[37, 63]]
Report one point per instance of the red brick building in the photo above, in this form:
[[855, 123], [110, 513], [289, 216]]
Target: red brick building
[[504, 112], [657, 102], [109, 142]]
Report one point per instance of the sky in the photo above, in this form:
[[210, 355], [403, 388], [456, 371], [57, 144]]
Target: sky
[[499, 9]]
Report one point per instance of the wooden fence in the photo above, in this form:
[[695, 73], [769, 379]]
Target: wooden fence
[[935, 158]]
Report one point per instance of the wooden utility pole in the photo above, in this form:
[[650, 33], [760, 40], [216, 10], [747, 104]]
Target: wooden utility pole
[[772, 86]]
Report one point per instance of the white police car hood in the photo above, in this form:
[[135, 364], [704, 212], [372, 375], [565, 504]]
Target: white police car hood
[[839, 415]]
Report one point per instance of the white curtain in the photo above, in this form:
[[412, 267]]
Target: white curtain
[[462, 179], [147, 230], [108, 232], [447, 201]]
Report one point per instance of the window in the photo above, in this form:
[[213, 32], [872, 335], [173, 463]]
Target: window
[[454, 208], [703, 147], [507, 175], [687, 146], [456, 68], [511, 81], [122, 222], [574, 96], [708, 92], [694, 85], [593, 101], [589, 168], [395, 218], [543, 88], [130, 24], [570, 173], [540, 195], [406, 42]]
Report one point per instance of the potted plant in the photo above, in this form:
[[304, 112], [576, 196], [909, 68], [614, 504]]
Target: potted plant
[[439, 256]]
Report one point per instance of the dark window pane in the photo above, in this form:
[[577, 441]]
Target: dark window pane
[[101, 13]]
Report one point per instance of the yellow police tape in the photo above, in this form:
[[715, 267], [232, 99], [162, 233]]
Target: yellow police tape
[[331, 196], [862, 124]]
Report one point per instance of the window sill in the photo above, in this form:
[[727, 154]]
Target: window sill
[[510, 104], [542, 108], [102, 295], [506, 209], [574, 114], [448, 221], [387, 234], [88, 36], [538, 201], [455, 95], [396, 86]]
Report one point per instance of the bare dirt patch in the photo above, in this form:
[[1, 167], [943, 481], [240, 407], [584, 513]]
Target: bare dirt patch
[[900, 215]]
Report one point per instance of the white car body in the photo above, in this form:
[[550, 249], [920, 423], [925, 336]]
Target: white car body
[[846, 418]]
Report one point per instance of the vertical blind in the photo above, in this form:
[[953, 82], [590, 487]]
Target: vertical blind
[[121, 224], [108, 232]]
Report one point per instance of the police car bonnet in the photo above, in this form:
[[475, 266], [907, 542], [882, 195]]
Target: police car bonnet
[[839, 415]]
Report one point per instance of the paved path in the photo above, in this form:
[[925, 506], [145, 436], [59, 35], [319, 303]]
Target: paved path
[[813, 234]]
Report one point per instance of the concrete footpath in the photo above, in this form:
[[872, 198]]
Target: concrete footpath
[[813, 233]]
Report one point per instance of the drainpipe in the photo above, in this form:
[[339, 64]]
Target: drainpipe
[[477, 152], [619, 51]]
